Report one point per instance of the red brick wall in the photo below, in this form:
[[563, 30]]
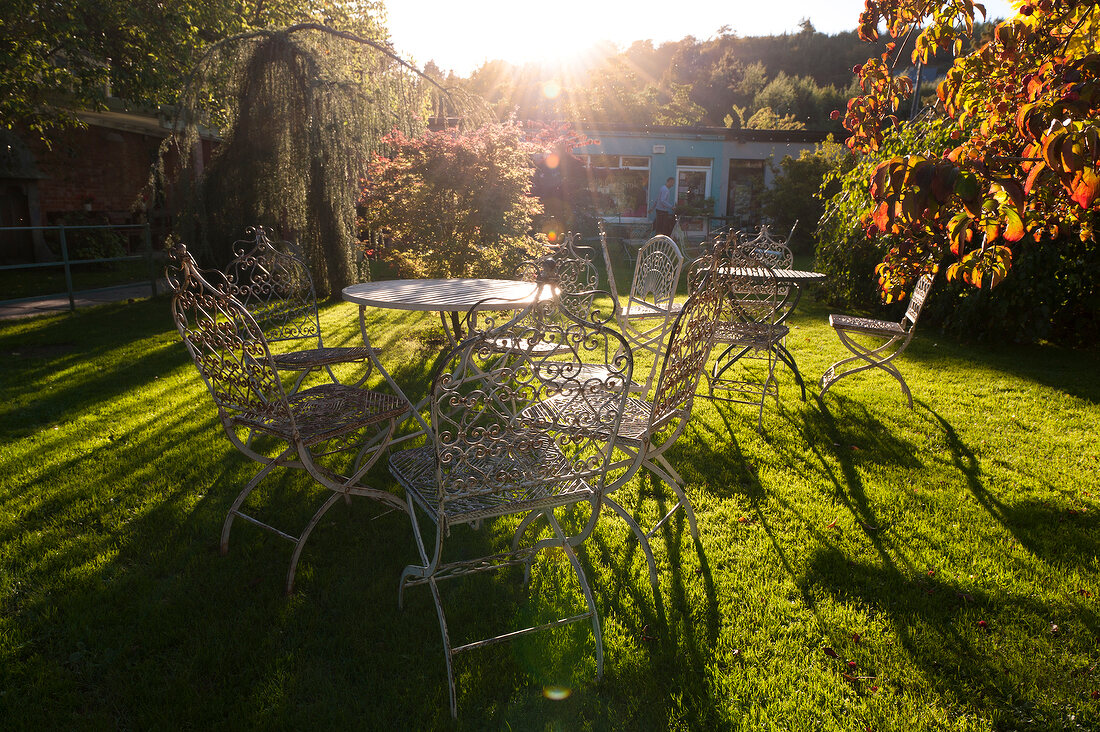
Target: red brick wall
[[107, 167]]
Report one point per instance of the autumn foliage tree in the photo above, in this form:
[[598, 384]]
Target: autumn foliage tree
[[1025, 110], [451, 203]]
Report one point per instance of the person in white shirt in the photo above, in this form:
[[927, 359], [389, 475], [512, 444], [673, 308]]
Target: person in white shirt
[[665, 207]]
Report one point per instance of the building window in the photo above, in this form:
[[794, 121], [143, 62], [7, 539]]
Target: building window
[[618, 185], [746, 183]]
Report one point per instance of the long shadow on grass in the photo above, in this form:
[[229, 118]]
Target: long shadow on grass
[[940, 627], [1056, 534], [114, 373]]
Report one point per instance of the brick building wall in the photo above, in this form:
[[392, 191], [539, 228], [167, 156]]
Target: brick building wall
[[103, 167]]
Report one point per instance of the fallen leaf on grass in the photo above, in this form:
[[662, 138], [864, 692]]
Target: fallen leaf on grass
[[830, 652]]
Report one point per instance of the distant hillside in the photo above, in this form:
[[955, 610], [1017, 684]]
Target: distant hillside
[[789, 81]]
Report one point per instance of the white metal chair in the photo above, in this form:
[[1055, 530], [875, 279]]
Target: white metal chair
[[892, 339], [310, 429], [273, 282], [648, 428], [750, 329], [775, 253], [486, 460], [647, 314]]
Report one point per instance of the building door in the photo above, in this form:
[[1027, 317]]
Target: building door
[[692, 190], [746, 184]]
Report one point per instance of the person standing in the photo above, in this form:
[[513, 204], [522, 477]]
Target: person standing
[[665, 207]]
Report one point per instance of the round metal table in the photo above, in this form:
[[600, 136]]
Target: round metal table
[[795, 277], [445, 296]]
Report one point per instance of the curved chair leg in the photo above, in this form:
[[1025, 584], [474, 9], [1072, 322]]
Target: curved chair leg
[[643, 541], [446, 646], [787, 358], [868, 357], [672, 479], [597, 633], [301, 542], [234, 510], [529, 519], [412, 572]]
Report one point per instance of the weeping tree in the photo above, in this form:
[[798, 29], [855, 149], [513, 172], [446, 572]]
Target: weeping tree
[[300, 111]]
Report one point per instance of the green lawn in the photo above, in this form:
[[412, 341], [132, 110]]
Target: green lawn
[[860, 565], [39, 282]]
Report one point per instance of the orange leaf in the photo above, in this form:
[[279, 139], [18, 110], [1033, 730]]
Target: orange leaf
[[882, 216], [1032, 176], [1014, 226], [1085, 186]]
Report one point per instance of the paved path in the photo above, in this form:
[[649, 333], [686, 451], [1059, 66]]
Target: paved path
[[83, 299]]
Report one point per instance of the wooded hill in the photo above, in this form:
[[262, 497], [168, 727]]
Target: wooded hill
[[788, 81]]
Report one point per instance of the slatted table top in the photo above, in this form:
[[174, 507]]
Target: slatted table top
[[452, 295], [795, 276]]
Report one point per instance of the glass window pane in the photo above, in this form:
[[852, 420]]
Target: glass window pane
[[619, 193]]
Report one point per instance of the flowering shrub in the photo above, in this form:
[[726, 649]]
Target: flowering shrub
[[451, 204]]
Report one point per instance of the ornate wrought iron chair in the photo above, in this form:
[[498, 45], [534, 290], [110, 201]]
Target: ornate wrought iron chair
[[273, 282], [750, 329], [896, 337], [776, 254], [650, 427], [769, 250], [647, 315], [485, 460], [311, 429]]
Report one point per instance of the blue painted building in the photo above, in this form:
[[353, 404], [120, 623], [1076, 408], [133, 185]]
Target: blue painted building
[[716, 170]]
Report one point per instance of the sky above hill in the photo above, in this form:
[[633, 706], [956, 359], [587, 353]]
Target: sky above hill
[[460, 36]]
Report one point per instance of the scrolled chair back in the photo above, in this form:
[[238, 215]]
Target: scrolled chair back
[[657, 271], [272, 280], [689, 346], [491, 444], [226, 344], [918, 296]]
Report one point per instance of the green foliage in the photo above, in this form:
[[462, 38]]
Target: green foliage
[[56, 56], [765, 118], [306, 107], [676, 107], [1051, 296], [844, 251], [690, 81], [451, 204], [799, 98], [794, 194]]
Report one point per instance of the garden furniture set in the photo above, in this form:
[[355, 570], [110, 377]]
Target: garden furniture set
[[534, 408]]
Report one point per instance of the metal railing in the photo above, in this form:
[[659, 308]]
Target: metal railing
[[66, 262]]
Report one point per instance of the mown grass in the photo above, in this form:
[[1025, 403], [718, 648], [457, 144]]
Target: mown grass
[[39, 282], [860, 565]]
